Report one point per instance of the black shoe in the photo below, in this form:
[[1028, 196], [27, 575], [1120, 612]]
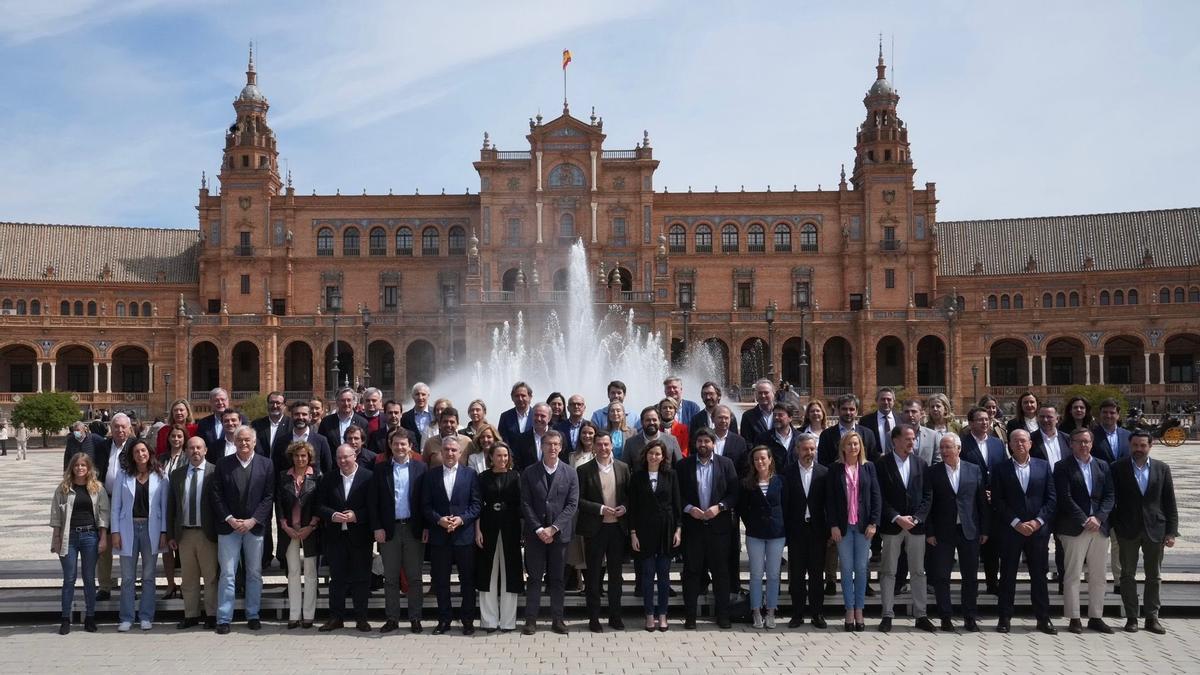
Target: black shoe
[[616, 623], [830, 588], [306, 625], [923, 623], [89, 624], [860, 627], [362, 626], [1131, 626], [187, 623], [870, 591], [796, 621], [64, 628], [1075, 626], [210, 622], [388, 626], [595, 626], [529, 628], [689, 623], [849, 627], [489, 631], [1099, 626], [1155, 627], [103, 595], [254, 624], [1045, 626], [818, 621], [1060, 587], [885, 624], [222, 629], [468, 628], [559, 627], [415, 627], [971, 625], [293, 625], [948, 627], [1003, 626], [330, 626], [376, 582], [724, 624], [442, 628]]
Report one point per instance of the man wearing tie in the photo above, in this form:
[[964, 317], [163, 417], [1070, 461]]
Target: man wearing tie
[[807, 533], [985, 451], [450, 503], [1145, 518], [907, 498], [1024, 502], [1085, 492], [708, 487], [549, 502], [1112, 443], [958, 523], [192, 532], [345, 504]]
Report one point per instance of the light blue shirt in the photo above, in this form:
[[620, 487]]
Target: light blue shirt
[[400, 490], [704, 472], [423, 418], [1142, 474]]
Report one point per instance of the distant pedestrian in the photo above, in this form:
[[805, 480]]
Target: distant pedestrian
[[3, 438], [22, 440]]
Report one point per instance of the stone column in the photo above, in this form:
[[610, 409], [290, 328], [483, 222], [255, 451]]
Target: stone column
[[108, 369], [1029, 357], [95, 377], [539, 220], [150, 388], [1044, 382], [1100, 375], [53, 377], [987, 371], [1087, 369], [594, 206], [1162, 367], [39, 376], [1147, 355]]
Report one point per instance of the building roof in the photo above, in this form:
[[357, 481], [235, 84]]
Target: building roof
[[1062, 244], [82, 253]]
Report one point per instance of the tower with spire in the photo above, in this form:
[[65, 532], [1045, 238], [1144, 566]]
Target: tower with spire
[[250, 152], [882, 142]]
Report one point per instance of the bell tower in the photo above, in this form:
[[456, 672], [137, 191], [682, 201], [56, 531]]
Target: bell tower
[[250, 153], [882, 139]]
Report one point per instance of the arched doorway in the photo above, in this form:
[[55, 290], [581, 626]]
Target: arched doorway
[[931, 365], [508, 283], [206, 368], [245, 369], [18, 369], [1124, 361], [131, 370], [754, 361], [837, 367], [621, 279], [794, 371], [298, 368], [889, 362], [1181, 353], [382, 359], [345, 365], [419, 362], [1064, 361], [73, 369], [560, 280], [1009, 363]]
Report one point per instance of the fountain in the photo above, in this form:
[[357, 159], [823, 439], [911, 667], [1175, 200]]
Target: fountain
[[577, 353]]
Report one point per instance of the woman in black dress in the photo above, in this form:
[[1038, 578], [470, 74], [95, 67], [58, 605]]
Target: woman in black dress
[[498, 569], [654, 508]]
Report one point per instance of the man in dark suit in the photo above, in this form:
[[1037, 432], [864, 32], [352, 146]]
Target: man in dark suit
[[958, 523], [334, 426], [847, 409], [710, 396], [883, 420], [603, 501], [300, 430], [708, 487], [399, 527], [527, 446], [192, 531], [807, 533], [686, 409], [1085, 499], [907, 497], [419, 418], [243, 493], [982, 449], [1145, 517], [226, 445], [1111, 443], [450, 504], [1024, 503], [210, 427], [346, 506], [757, 420], [81, 440], [728, 443], [1051, 445], [569, 428], [780, 438], [516, 420], [275, 423], [549, 501], [378, 440]]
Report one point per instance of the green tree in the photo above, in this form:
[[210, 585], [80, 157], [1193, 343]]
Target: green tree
[[254, 407], [1094, 394], [48, 412]]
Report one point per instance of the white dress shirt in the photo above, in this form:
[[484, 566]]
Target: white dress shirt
[[806, 476], [449, 473], [523, 420], [347, 481], [1053, 452]]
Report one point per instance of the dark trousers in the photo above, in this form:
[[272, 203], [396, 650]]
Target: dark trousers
[[549, 561], [735, 556], [608, 545], [349, 569], [989, 555], [441, 557], [1152, 555], [806, 571], [705, 553], [968, 566], [1037, 558]]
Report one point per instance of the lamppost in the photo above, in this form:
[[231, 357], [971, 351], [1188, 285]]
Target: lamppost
[[951, 314], [366, 368], [167, 392], [771, 340], [450, 303], [187, 320], [335, 305], [975, 381], [802, 304], [687, 314]]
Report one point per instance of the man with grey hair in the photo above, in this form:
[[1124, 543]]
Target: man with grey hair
[[807, 533], [756, 422], [334, 426], [673, 388], [81, 439], [243, 493], [372, 404], [549, 501], [419, 418], [108, 465], [210, 427]]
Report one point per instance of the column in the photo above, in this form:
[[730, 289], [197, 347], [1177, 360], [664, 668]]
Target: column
[[539, 170], [1030, 379], [987, 371], [1087, 369], [1100, 375], [539, 206], [1044, 383], [593, 174], [1162, 367], [95, 377], [594, 206], [53, 378], [1147, 355], [39, 376], [108, 370], [150, 390]]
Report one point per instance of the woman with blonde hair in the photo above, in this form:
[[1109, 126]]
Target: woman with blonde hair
[[477, 419], [941, 416], [815, 418], [79, 513], [479, 450], [618, 429], [853, 508], [180, 413]]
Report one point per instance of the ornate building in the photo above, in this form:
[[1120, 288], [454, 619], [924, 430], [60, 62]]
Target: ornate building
[[834, 291]]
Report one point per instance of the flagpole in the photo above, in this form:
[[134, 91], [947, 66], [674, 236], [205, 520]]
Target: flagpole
[[564, 89]]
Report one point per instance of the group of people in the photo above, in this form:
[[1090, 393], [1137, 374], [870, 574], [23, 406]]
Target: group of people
[[511, 507], [20, 433]]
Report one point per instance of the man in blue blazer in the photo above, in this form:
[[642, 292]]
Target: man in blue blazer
[[549, 502], [985, 451], [757, 420], [708, 487], [516, 420], [243, 494], [346, 504], [847, 410], [958, 523], [907, 497], [1051, 445], [450, 504], [1024, 503], [1085, 499], [399, 528], [334, 426], [1111, 443]]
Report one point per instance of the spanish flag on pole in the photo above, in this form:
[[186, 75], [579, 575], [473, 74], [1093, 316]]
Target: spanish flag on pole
[[566, 58]]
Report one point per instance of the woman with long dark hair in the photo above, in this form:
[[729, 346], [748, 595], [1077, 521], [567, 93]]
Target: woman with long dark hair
[[296, 509], [1077, 414], [139, 523], [655, 508], [174, 458], [499, 575], [79, 513], [760, 507]]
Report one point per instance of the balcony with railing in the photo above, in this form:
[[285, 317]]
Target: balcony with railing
[[891, 245], [619, 154], [243, 251]]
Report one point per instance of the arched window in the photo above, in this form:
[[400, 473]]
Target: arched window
[[120, 309], [677, 239], [756, 239], [91, 308], [783, 239], [378, 241], [1118, 297], [729, 238], [566, 227], [350, 241], [566, 175], [703, 239], [77, 308], [430, 241], [134, 309], [457, 241], [1005, 302], [35, 308], [992, 303], [1164, 295], [325, 241], [7, 305], [1074, 302], [1047, 300], [404, 241], [808, 238], [1018, 301], [1194, 294], [64, 308], [1179, 294], [146, 309], [1104, 298], [1133, 296], [21, 307], [1060, 300]]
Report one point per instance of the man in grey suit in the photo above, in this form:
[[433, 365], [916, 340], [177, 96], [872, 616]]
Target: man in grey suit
[[925, 445], [549, 501], [192, 531], [650, 432]]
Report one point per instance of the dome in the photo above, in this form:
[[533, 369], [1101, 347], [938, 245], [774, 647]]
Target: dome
[[881, 88], [251, 93]]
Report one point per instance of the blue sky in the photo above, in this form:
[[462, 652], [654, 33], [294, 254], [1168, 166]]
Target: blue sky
[[111, 109]]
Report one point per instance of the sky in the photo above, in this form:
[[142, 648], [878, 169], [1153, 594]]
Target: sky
[[111, 109]]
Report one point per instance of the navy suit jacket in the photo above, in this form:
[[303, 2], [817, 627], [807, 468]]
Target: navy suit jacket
[[724, 491], [385, 497], [508, 427], [796, 501], [1010, 502], [1155, 513], [332, 497], [324, 455], [1074, 502], [687, 410], [969, 505], [262, 428], [329, 429], [255, 503], [827, 444], [752, 426], [783, 455], [210, 427], [409, 421], [763, 514], [464, 503], [897, 500], [1101, 448], [1038, 448], [737, 450], [872, 422], [700, 421], [971, 452], [870, 500]]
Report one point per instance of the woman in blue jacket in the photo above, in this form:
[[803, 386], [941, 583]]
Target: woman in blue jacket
[[139, 529], [761, 509]]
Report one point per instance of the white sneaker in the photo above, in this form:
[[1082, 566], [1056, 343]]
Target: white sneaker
[[146, 625], [124, 627], [756, 619], [769, 619]]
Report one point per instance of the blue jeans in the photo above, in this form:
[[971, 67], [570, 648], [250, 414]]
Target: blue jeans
[[853, 553], [140, 541], [659, 565], [80, 545], [230, 548], [766, 553]]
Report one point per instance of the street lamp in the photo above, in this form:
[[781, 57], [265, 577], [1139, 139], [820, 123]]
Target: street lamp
[[366, 369], [167, 392], [802, 304], [975, 381], [189, 375], [771, 340], [335, 305]]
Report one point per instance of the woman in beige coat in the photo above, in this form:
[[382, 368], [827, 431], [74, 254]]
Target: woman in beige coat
[[79, 513]]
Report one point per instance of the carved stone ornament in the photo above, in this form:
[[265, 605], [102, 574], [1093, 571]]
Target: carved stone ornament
[[889, 196], [244, 202]]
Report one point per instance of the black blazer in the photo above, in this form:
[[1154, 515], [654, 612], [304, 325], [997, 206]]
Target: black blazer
[[1010, 502], [524, 450], [870, 502], [286, 498], [752, 425], [654, 514], [783, 455], [1154, 514], [464, 503], [725, 491], [103, 451], [591, 497], [872, 422], [87, 446], [378, 440], [257, 500], [700, 421], [763, 514], [409, 421], [176, 508], [968, 506], [331, 497], [385, 497], [324, 455], [898, 500], [1038, 448], [1101, 448], [262, 428], [827, 444], [508, 427], [329, 429], [216, 450], [796, 501], [737, 451], [1074, 502], [210, 427]]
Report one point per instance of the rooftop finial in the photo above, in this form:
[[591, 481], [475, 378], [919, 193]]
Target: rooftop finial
[[203, 181], [251, 76], [880, 68]]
